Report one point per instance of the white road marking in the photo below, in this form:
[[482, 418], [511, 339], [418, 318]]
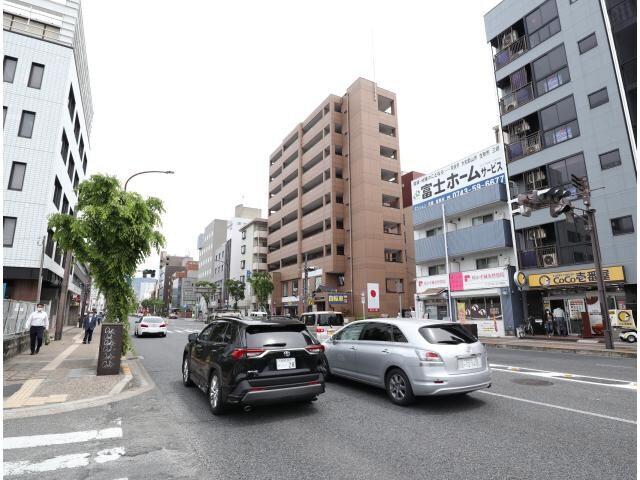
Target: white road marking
[[612, 365], [12, 443], [624, 384], [73, 460], [559, 407]]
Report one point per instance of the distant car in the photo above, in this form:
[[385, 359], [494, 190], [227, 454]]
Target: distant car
[[629, 335], [223, 313], [173, 315], [258, 315], [322, 325], [253, 362], [149, 325], [409, 357]]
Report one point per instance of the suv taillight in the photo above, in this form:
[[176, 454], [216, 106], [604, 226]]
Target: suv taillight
[[314, 348], [428, 356], [144, 325], [238, 353]]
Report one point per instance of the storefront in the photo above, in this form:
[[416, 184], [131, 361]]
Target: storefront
[[574, 291], [290, 306], [484, 297]]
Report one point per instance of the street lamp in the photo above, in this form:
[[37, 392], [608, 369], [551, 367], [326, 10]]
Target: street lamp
[[168, 172]]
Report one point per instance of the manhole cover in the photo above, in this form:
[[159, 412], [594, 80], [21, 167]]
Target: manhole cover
[[534, 382]]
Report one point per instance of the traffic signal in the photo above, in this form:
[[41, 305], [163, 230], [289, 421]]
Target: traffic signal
[[552, 194], [148, 272]]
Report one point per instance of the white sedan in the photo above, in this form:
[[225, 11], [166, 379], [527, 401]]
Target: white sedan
[[150, 326]]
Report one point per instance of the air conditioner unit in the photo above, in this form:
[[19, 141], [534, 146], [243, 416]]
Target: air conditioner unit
[[509, 38], [521, 127], [511, 105], [549, 260], [533, 148]]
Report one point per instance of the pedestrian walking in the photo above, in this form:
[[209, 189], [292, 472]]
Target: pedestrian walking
[[89, 324], [548, 322], [561, 321], [37, 323]]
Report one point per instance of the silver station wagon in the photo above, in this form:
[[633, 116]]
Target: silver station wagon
[[409, 357]]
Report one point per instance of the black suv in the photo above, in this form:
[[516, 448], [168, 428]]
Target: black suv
[[253, 362]]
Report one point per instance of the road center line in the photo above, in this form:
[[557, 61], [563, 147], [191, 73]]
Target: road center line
[[12, 443], [559, 407]]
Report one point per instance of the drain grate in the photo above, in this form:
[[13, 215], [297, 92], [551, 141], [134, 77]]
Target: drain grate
[[533, 382]]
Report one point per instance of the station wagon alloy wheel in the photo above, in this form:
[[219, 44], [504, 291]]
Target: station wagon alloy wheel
[[399, 388], [215, 403]]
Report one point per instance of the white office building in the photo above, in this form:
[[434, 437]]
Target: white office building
[[253, 258], [47, 115]]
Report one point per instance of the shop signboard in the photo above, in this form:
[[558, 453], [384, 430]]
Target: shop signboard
[[622, 318], [373, 297], [434, 281], [575, 277], [472, 173], [479, 279], [337, 298], [595, 314]]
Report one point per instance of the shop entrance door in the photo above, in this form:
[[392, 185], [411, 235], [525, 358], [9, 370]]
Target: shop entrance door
[[557, 304]]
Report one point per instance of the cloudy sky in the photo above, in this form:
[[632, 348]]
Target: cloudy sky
[[210, 88]]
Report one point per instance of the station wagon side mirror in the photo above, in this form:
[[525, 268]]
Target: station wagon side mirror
[[192, 337]]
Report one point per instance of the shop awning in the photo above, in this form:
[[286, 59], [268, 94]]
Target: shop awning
[[432, 292]]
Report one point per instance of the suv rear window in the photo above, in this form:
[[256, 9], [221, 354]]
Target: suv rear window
[[448, 334], [290, 336], [330, 319]]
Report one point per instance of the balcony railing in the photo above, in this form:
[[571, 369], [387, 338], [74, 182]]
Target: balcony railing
[[510, 53], [518, 97], [541, 257], [525, 146]]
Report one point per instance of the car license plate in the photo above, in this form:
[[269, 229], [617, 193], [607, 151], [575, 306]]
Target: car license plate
[[285, 363], [330, 332], [468, 363]]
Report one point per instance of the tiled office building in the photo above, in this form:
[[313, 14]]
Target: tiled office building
[[47, 115], [335, 199], [563, 113]]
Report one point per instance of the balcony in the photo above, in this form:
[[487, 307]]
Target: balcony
[[516, 98], [488, 236], [256, 266], [512, 48], [524, 146], [542, 257]]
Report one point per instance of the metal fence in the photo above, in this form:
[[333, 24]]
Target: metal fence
[[15, 314]]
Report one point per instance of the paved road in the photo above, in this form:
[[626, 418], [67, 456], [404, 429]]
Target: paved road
[[527, 426]]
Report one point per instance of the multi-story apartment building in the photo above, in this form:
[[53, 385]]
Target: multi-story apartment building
[[465, 259], [562, 113], [47, 115], [253, 258], [215, 234], [184, 297], [169, 264], [335, 201]]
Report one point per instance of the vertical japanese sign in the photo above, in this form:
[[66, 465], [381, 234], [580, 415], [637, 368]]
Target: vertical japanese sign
[[373, 297], [477, 171]]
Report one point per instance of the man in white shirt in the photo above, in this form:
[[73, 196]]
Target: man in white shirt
[[37, 323]]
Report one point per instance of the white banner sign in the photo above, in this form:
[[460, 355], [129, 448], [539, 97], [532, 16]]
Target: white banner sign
[[479, 279], [479, 170], [434, 281], [373, 297]]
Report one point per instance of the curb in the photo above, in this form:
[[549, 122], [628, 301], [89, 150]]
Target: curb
[[115, 395], [537, 348]]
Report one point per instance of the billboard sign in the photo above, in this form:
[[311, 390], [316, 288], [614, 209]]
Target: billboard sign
[[373, 297], [472, 173], [337, 298]]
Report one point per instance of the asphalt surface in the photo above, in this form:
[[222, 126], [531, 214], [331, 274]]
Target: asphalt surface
[[525, 427]]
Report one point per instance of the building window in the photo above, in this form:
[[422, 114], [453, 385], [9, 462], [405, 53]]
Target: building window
[[71, 105], [482, 219], [76, 128], [65, 205], [622, 225], [76, 181], [57, 193], [285, 289], [339, 249], [598, 98], [394, 285], [71, 167], [243, 248], [542, 23], [587, 43], [49, 245], [550, 70], [35, 75], [559, 173], [437, 270], [434, 231], [488, 262], [58, 255], [8, 230], [81, 147], [26, 124], [9, 68], [610, 159], [393, 256], [241, 263], [4, 115], [64, 150], [84, 164], [242, 278], [244, 236], [16, 178], [559, 122]]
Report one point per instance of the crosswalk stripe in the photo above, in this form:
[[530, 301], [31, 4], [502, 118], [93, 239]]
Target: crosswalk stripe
[[12, 443], [73, 460]]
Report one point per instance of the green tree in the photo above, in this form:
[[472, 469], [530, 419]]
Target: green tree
[[207, 290], [114, 231], [153, 305], [262, 286], [236, 290]]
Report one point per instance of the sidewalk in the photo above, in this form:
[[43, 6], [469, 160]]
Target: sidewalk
[[564, 345], [62, 374]]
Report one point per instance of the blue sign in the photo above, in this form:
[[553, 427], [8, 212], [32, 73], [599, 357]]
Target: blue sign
[[248, 276]]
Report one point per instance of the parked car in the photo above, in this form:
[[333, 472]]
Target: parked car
[[173, 315], [149, 325], [253, 362], [322, 324], [258, 315], [629, 335], [409, 357]]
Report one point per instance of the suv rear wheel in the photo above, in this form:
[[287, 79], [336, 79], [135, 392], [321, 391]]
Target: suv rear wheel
[[216, 404], [186, 372], [399, 388]]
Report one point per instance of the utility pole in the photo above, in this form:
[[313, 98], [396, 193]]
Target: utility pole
[[39, 294], [306, 283], [62, 304]]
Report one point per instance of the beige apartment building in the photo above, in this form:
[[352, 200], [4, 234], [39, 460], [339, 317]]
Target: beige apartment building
[[335, 198]]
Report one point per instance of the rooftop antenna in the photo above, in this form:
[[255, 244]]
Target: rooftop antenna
[[373, 62]]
